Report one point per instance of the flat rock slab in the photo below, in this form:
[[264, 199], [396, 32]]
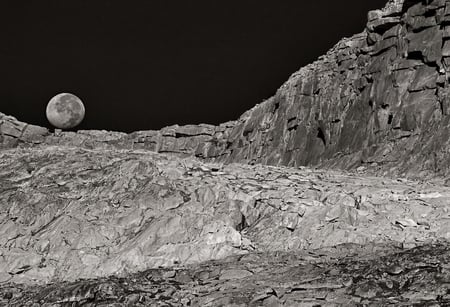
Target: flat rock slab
[[235, 274]]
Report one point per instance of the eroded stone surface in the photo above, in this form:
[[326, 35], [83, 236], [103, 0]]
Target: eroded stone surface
[[70, 213], [347, 275]]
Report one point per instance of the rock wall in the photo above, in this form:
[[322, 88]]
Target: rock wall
[[379, 99]]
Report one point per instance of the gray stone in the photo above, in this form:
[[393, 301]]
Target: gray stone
[[428, 43], [235, 274], [425, 78]]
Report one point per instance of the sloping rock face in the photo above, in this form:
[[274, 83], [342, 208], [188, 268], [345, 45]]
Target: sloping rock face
[[377, 97]]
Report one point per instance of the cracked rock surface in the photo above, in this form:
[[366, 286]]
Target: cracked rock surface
[[77, 225], [343, 276]]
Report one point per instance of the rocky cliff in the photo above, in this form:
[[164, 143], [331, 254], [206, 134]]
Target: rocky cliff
[[378, 99]]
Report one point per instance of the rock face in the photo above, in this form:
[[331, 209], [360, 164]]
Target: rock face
[[379, 99], [14, 133]]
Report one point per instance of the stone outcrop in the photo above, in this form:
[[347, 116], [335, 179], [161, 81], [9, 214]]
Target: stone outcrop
[[14, 132]]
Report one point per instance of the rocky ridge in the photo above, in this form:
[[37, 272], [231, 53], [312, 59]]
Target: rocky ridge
[[378, 99]]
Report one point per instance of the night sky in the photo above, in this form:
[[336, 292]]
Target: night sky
[[146, 64]]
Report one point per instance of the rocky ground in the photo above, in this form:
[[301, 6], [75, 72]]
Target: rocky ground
[[86, 226], [342, 276]]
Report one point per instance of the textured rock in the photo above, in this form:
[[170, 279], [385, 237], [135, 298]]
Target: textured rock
[[14, 132], [102, 218], [70, 213], [343, 276]]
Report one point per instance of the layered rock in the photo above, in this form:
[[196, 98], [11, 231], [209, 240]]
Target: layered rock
[[14, 132], [377, 97]]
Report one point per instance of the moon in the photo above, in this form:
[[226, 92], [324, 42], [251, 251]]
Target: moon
[[65, 111]]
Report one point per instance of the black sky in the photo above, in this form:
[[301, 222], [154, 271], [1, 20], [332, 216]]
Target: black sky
[[146, 64]]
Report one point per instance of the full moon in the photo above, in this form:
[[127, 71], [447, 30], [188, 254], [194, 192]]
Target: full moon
[[65, 111]]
